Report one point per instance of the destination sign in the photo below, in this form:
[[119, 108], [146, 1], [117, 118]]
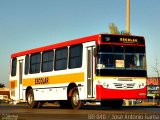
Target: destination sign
[[129, 40], [122, 39]]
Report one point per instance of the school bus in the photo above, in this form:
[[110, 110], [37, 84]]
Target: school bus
[[102, 67]]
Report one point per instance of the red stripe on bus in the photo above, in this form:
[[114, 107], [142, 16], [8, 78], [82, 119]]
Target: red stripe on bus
[[57, 45], [104, 93]]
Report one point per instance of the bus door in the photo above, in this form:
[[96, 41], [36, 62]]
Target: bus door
[[90, 66], [20, 71]]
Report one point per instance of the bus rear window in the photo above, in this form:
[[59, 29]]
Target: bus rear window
[[26, 64]]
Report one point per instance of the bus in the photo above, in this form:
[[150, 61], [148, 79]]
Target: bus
[[103, 67]]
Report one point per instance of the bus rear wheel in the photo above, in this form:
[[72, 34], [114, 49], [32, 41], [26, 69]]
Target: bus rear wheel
[[74, 99], [30, 99]]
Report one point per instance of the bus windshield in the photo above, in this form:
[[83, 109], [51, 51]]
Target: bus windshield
[[121, 57]]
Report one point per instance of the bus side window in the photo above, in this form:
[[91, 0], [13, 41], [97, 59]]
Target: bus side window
[[14, 67], [75, 56], [26, 64], [61, 56], [35, 61], [47, 61]]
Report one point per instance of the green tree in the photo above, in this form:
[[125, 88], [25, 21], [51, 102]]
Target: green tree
[[113, 28], [2, 85]]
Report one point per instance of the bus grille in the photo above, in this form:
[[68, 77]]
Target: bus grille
[[124, 85]]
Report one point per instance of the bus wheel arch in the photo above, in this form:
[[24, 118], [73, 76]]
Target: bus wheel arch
[[69, 89], [28, 88]]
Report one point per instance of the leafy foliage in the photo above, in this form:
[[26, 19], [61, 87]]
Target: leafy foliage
[[114, 30], [2, 85]]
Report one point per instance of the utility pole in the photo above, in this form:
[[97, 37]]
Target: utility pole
[[128, 16], [127, 30]]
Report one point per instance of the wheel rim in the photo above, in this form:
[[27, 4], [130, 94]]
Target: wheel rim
[[75, 98], [30, 99]]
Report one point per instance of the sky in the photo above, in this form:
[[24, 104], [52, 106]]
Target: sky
[[26, 24]]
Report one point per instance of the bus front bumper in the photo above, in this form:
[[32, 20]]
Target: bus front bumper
[[104, 93]]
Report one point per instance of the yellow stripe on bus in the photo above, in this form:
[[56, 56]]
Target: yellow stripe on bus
[[57, 79]]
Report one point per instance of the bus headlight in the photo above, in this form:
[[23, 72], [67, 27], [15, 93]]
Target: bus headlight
[[141, 85], [99, 82], [105, 85]]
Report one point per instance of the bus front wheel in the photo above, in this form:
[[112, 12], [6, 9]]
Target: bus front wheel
[[74, 99], [30, 99]]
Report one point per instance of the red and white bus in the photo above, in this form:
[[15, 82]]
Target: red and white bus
[[103, 67]]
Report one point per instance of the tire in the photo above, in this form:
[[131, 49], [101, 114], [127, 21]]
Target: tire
[[74, 100], [64, 104], [30, 99]]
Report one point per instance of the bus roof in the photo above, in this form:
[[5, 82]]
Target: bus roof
[[63, 44]]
